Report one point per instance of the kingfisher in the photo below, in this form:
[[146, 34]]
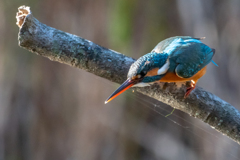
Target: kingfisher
[[175, 59]]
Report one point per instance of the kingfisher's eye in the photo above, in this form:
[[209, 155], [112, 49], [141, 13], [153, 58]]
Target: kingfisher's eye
[[140, 75], [143, 73]]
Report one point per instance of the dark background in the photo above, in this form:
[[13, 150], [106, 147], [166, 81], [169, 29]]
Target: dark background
[[50, 111]]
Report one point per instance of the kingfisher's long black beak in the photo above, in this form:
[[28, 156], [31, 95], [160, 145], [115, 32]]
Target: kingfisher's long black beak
[[127, 84]]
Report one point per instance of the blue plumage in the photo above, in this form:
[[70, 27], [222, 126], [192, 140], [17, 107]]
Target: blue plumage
[[187, 56]]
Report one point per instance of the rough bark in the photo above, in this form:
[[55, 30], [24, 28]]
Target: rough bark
[[84, 54]]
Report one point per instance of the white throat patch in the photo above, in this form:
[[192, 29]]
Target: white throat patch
[[141, 84]]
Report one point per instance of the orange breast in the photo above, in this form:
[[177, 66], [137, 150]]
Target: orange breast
[[172, 77], [152, 72]]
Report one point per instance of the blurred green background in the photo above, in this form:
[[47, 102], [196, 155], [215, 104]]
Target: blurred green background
[[50, 111]]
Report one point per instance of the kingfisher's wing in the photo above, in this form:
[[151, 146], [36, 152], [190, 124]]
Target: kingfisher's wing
[[187, 55], [191, 57]]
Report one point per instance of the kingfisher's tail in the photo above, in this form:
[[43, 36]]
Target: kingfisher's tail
[[213, 50], [214, 63]]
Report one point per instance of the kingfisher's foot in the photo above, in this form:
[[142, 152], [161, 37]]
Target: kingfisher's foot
[[189, 89]]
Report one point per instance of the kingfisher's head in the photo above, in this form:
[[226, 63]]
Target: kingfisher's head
[[148, 68]]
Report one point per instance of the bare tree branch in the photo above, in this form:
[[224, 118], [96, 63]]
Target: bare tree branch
[[84, 54]]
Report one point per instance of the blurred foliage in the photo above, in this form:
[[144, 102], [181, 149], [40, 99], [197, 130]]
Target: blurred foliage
[[121, 22]]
